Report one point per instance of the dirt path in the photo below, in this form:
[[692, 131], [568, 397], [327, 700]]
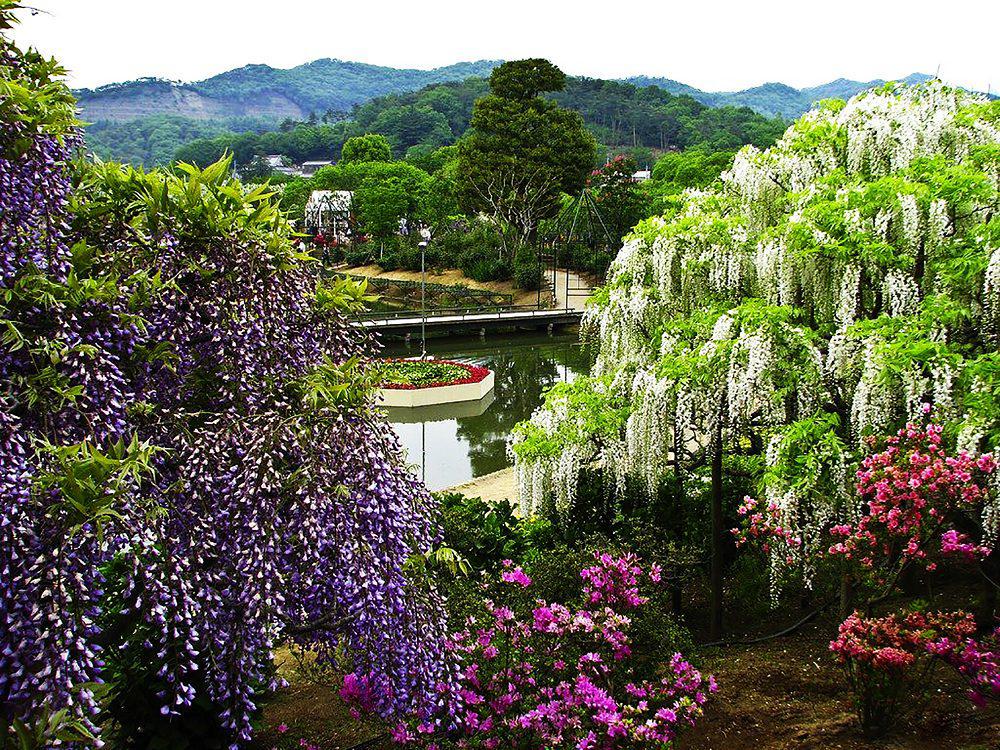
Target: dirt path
[[579, 288], [789, 694], [448, 277]]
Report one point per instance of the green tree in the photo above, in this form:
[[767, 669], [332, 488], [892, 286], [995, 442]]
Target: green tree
[[617, 203], [294, 196], [526, 79], [446, 102], [380, 204], [438, 203], [368, 147], [523, 151], [407, 126], [431, 159]]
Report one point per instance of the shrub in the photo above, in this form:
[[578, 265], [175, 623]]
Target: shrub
[[888, 660], [558, 675], [485, 269], [487, 533], [358, 255], [528, 275]]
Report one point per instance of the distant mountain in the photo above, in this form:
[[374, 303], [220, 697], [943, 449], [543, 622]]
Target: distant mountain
[[263, 92], [148, 120], [773, 99]]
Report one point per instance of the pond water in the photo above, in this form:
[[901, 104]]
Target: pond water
[[454, 443]]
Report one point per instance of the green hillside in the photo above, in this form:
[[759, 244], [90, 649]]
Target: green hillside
[[149, 120], [620, 115], [260, 91], [773, 99]]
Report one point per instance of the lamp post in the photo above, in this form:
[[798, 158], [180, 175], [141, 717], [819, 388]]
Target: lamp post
[[425, 233]]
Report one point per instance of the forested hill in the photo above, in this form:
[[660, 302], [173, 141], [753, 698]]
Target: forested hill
[[619, 114], [773, 99], [147, 121], [260, 91]]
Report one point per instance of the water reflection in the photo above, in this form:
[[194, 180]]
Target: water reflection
[[452, 447]]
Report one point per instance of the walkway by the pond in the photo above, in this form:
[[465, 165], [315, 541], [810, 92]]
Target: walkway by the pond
[[578, 288], [498, 487]]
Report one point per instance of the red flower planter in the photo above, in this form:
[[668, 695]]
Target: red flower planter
[[475, 374]]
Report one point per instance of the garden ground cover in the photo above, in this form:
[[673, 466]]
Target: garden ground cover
[[412, 374], [786, 694]]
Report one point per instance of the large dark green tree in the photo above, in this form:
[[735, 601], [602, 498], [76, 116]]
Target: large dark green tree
[[364, 148], [523, 151]]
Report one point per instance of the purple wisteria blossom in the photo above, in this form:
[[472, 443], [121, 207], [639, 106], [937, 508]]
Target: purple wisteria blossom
[[190, 465]]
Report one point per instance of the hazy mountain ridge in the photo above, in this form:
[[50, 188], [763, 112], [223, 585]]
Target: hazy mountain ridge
[[773, 99], [266, 93], [260, 91]]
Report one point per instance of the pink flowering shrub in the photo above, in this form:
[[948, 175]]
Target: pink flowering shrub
[[889, 660], [978, 661], [915, 495], [914, 491], [553, 675], [761, 524]]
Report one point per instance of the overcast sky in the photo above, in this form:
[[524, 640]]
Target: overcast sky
[[711, 44]]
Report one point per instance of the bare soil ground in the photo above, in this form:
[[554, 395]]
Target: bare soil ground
[[311, 712], [451, 277], [786, 694], [789, 694]]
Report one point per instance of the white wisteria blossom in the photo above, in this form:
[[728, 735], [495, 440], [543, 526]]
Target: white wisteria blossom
[[848, 274]]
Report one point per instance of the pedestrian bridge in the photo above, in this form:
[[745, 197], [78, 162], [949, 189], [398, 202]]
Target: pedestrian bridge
[[438, 320]]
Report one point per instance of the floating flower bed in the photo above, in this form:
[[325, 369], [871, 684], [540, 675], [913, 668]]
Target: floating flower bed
[[409, 383], [413, 374]]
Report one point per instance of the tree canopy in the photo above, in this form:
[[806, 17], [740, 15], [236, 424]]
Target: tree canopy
[[526, 79], [522, 154], [366, 148]]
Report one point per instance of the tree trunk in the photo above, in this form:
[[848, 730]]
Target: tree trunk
[[718, 538], [987, 611], [846, 596]]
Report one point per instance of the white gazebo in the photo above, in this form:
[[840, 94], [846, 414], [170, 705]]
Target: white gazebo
[[328, 212]]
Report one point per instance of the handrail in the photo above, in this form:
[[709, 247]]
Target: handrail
[[531, 313], [451, 311]]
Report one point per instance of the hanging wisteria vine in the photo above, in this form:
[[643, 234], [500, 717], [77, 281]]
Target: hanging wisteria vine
[[190, 467]]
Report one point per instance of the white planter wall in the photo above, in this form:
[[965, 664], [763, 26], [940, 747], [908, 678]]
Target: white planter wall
[[442, 394]]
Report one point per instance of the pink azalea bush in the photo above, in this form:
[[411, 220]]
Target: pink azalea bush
[[914, 491], [914, 495], [890, 659], [536, 674], [977, 660], [761, 524], [915, 498]]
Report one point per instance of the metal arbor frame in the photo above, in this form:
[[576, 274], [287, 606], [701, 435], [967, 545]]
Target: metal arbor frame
[[585, 199]]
